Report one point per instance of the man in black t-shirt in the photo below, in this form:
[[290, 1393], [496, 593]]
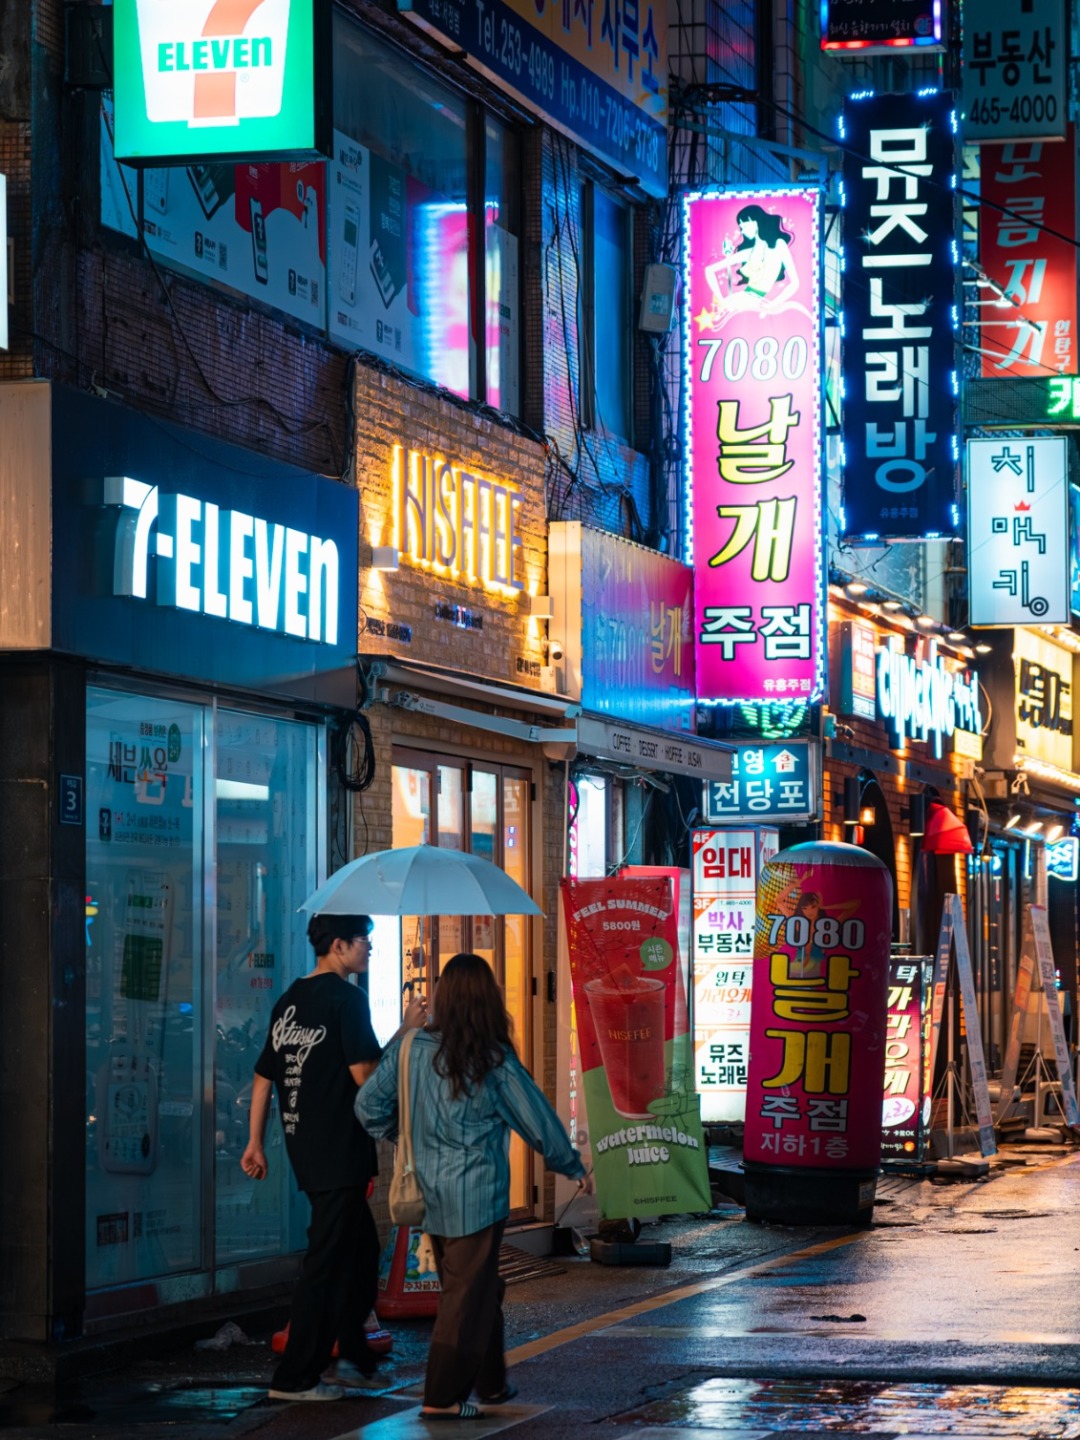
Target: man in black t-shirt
[[320, 1050]]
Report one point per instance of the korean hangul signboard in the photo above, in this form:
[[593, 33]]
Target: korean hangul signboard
[[858, 670], [753, 381], [1044, 718], [774, 784], [902, 1115], [821, 968], [726, 865], [881, 26], [1018, 531], [597, 72], [1026, 221], [199, 78], [1014, 71], [624, 614], [901, 310]]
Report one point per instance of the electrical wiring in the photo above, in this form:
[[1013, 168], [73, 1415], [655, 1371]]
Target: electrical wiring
[[358, 775]]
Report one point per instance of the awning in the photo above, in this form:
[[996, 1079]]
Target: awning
[[433, 690], [644, 748]]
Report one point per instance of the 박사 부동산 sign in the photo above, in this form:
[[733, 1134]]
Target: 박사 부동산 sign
[[633, 1028], [195, 78]]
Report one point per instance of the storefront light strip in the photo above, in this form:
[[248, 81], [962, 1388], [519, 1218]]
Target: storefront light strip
[[1045, 771], [1068, 639]]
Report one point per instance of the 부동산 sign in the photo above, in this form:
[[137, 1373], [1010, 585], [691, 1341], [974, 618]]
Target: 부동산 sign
[[197, 78], [598, 73], [1014, 71]]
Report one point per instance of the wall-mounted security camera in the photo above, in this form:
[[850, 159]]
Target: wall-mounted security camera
[[555, 651]]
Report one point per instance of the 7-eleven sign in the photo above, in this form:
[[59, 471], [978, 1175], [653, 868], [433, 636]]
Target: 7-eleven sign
[[214, 77]]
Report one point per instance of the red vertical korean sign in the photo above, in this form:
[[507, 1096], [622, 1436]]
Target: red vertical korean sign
[[818, 1024], [1026, 220]]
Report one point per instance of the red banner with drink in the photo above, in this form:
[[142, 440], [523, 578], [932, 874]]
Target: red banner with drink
[[630, 997]]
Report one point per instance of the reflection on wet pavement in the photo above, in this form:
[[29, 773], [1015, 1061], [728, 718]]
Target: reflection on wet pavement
[[865, 1407], [128, 1403]]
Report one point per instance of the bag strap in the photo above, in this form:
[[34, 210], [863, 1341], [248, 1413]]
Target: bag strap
[[404, 1097]]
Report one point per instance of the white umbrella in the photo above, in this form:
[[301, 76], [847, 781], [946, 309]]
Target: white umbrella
[[421, 880]]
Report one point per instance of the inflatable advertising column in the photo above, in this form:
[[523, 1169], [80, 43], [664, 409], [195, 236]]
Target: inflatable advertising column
[[818, 1030]]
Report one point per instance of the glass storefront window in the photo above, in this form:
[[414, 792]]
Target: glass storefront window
[[144, 987], [199, 812]]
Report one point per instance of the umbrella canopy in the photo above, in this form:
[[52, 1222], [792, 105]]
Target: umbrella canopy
[[421, 880], [946, 833]]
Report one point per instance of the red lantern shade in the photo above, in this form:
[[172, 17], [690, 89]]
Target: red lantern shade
[[946, 833]]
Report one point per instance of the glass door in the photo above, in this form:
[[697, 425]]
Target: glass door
[[265, 823], [204, 839], [486, 810]]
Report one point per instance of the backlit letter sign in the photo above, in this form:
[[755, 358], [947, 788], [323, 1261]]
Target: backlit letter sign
[[921, 700], [224, 563], [198, 78], [457, 523], [901, 310]]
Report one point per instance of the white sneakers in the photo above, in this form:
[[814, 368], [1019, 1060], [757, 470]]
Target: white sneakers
[[322, 1391]]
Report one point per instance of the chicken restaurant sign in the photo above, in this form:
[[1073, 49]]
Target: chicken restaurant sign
[[920, 699], [213, 78]]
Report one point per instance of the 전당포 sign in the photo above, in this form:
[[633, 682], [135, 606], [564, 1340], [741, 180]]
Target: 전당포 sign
[[198, 78], [770, 784]]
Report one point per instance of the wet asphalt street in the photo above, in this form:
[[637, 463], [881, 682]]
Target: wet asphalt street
[[957, 1314]]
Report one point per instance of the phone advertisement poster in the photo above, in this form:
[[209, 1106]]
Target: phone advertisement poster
[[752, 347], [259, 229], [644, 1117]]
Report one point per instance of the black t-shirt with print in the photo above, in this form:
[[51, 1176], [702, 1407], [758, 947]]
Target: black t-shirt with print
[[319, 1027]]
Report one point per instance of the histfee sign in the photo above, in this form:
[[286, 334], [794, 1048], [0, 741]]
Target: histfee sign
[[1018, 531], [462, 525], [197, 78], [223, 563], [901, 311], [753, 380]]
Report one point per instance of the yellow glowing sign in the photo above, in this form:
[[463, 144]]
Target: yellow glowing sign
[[456, 523]]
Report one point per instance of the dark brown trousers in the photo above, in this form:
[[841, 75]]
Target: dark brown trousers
[[467, 1343]]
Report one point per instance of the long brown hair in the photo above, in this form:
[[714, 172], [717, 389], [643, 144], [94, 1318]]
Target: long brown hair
[[472, 1022]]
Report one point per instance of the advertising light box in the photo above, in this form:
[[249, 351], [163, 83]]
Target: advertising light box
[[752, 348], [1018, 531], [195, 79], [901, 313], [881, 26]]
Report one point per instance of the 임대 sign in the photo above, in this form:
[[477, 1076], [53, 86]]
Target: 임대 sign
[[1014, 71], [901, 453], [725, 869], [196, 78], [1018, 531], [770, 784]]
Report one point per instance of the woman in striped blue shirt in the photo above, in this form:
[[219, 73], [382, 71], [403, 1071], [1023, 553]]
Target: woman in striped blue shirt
[[469, 1090]]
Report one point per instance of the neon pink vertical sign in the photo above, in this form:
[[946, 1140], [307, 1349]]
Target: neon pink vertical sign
[[752, 348]]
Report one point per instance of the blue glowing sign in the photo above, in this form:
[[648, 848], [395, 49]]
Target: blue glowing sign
[[1062, 858], [901, 270], [770, 784]]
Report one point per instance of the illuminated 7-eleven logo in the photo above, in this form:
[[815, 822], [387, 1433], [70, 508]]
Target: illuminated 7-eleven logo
[[213, 62]]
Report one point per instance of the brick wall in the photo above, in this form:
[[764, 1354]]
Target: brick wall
[[511, 645]]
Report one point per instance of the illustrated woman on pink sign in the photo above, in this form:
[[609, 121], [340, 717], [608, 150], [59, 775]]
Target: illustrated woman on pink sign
[[757, 266]]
